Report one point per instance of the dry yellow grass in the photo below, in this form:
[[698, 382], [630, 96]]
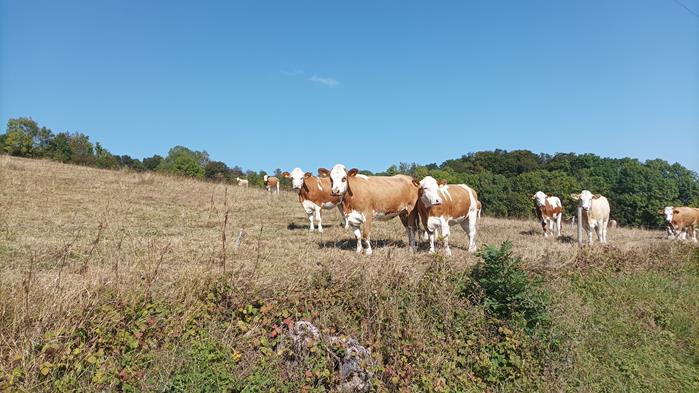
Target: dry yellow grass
[[67, 231]]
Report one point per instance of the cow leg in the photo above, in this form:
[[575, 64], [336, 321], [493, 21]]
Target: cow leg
[[604, 232], [409, 221], [471, 227], [358, 235], [310, 220], [445, 234], [589, 234], [345, 223], [320, 221], [431, 236], [367, 232], [543, 226]]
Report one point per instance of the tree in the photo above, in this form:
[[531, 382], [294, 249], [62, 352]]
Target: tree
[[152, 163], [185, 162], [82, 151]]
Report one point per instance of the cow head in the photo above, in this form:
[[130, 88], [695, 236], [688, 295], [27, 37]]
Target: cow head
[[540, 198], [339, 177], [265, 177], [297, 177], [667, 213], [585, 198], [429, 191]]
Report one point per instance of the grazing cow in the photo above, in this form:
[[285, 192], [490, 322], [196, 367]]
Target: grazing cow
[[314, 195], [271, 183], [365, 198], [242, 182], [549, 211], [440, 205], [681, 221], [595, 214]]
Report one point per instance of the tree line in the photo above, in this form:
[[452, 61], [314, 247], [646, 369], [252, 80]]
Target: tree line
[[504, 180]]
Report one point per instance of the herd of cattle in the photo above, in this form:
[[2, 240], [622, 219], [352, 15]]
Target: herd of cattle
[[437, 206]]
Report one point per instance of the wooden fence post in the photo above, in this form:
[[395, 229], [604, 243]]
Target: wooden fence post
[[580, 231]]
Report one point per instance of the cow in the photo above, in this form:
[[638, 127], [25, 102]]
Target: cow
[[365, 198], [314, 195], [681, 221], [613, 224], [271, 183], [595, 214], [440, 206], [241, 182], [549, 211]]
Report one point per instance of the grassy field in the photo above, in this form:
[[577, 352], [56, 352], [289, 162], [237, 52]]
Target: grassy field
[[129, 281]]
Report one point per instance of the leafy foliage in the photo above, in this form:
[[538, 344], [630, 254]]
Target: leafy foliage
[[508, 291]]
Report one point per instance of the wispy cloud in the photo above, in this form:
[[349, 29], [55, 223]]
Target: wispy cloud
[[330, 82], [293, 72]]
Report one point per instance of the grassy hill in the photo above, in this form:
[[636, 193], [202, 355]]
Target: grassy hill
[[119, 280]]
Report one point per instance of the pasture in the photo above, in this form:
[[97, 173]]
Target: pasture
[[138, 281]]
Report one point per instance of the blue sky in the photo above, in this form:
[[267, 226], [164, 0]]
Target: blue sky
[[268, 85]]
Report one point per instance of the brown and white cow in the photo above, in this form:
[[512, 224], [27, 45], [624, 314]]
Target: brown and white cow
[[440, 206], [271, 184], [365, 198], [314, 195], [681, 221], [549, 211], [241, 182], [595, 214]]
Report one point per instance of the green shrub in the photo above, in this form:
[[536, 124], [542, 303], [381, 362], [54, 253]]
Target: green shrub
[[508, 292]]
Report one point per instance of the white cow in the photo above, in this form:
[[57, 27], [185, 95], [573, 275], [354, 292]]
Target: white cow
[[595, 215]]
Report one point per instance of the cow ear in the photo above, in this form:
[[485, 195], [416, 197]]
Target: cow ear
[[416, 183], [661, 212], [596, 196], [575, 196], [352, 172], [286, 174], [533, 197], [442, 182], [307, 174], [322, 172]]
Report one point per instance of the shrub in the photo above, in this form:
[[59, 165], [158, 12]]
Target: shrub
[[508, 292]]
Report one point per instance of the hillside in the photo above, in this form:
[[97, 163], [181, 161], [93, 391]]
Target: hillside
[[123, 280]]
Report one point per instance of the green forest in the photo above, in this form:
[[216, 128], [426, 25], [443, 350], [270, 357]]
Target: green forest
[[504, 180]]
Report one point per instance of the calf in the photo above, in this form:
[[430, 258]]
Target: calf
[[440, 205], [549, 211], [271, 183], [241, 182], [595, 214], [681, 221], [314, 195], [365, 198]]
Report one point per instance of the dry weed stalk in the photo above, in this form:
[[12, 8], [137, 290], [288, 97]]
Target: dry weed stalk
[[27, 282], [151, 268], [64, 253], [93, 245]]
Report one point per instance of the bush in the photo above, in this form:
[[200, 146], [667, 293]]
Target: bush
[[508, 292]]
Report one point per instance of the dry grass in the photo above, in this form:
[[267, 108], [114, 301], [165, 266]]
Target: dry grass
[[68, 232]]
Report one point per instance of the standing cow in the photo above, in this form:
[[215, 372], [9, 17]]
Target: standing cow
[[681, 221], [365, 198], [314, 195], [595, 214], [549, 211], [440, 205], [241, 182], [271, 184]]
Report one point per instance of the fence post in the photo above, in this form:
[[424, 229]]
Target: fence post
[[580, 231]]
